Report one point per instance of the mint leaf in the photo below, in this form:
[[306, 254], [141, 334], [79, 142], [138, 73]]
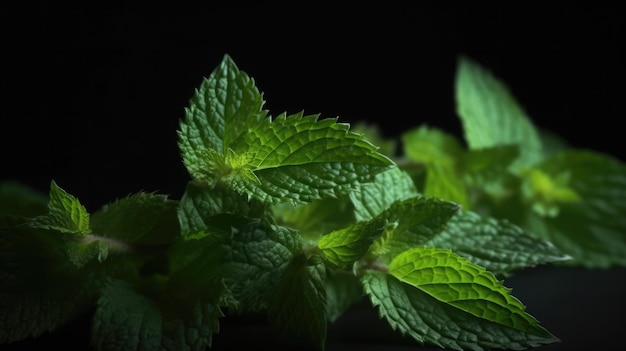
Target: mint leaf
[[139, 219], [491, 116], [65, 214], [342, 248], [453, 280], [297, 306], [499, 246], [300, 158], [585, 192], [487, 175], [226, 137], [68, 217], [218, 113], [388, 187], [413, 312]]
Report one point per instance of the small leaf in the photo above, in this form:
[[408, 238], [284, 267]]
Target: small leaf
[[453, 280], [65, 214], [413, 312], [341, 248], [499, 246], [491, 116]]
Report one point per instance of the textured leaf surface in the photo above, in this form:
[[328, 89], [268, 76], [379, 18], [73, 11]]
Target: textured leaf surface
[[128, 320], [497, 245], [341, 248], [490, 114], [413, 312], [301, 158], [453, 280], [219, 112], [65, 214]]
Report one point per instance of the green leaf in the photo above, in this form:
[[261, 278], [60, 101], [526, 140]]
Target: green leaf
[[413, 312], [491, 116], [499, 246], [586, 192], [39, 290], [140, 219], [389, 186], [218, 113], [125, 319], [412, 223], [297, 306], [301, 158], [454, 280], [18, 199], [341, 248], [65, 214], [199, 203]]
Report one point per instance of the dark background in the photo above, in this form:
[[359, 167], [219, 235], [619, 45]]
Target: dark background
[[93, 97]]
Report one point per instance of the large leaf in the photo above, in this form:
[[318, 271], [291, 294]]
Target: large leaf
[[413, 312], [454, 280]]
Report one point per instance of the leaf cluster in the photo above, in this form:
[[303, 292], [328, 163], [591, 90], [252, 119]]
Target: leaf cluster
[[300, 217]]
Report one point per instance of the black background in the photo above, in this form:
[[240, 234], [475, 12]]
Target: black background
[[93, 96]]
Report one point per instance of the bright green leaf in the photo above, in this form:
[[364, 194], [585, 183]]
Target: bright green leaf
[[341, 248], [65, 214], [454, 280], [218, 113], [299, 159], [413, 312]]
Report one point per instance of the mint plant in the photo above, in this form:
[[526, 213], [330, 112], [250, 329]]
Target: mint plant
[[299, 217]]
